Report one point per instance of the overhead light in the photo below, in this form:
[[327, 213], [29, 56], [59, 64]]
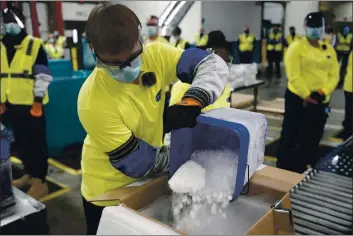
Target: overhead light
[[75, 36], [176, 10], [166, 12]]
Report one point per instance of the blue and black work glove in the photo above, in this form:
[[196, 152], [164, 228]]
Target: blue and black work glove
[[181, 115], [315, 98]]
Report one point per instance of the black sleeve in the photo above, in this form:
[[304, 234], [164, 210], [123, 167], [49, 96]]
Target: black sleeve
[[42, 58], [187, 45]]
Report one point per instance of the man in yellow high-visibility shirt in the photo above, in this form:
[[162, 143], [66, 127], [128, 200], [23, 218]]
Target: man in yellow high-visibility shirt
[[343, 47], [274, 52], [348, 119], [25, 78], [121, 104], [201, 38], [153, 31], [312, 70], [177, 41], [246, 43]]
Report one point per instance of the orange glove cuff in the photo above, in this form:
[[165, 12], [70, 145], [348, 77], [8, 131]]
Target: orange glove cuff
[[36, 109], [321, 92], [189, 102]]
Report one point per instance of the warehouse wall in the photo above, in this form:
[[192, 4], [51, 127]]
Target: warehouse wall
[[42, 18], [344, 10], [296, 12], [230, 17], [273, 12], [191, 23]]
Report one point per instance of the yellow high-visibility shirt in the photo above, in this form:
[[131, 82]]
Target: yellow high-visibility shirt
[[348, 79], [180, 88], [246, 42], [181, 43], [310, 69], [290, 39], [159, 39], [201, 41], [275, 46], [111, 112]]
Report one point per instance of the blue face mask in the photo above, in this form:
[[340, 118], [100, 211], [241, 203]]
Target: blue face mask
[[314, 33], [152, 30], [128, 74], [346, 30], [12, 28]]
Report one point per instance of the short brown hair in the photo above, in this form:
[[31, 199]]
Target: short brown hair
[[112, 28]]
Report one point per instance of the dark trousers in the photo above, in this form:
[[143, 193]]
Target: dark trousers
[[348, 118], [245, 57], [93, 215], [343, 59], [30, 139], [302, 130], [274, 57]]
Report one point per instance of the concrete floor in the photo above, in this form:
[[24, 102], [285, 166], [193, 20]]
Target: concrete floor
[[65, 213]]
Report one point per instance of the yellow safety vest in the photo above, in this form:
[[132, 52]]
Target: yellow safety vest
[[17, 80], [201, 41], [348, 87], [54, 52], [276, 46], [181, 44], [290, 39], [344, 43], [246, 42]]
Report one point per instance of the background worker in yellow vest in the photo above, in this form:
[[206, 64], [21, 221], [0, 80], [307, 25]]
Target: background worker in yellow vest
[[246, 43], [25, 78], [274, 52], [348, 119], [291, 38], [153, 31], [201, 38], [177, 41], [343, 47], [121, 104], [330, 37], [312, 72], [54, 49]]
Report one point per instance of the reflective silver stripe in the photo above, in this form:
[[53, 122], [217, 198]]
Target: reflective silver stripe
[[30, 47]]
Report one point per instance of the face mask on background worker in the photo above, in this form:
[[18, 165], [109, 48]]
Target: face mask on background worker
[[12, 28], [152, 31], [346, 30]]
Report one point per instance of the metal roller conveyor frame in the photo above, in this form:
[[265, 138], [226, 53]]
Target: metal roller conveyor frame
[[320, 203], [331, 181], [334, 176], [330, 195], [320, 188], [319, 228], [323, 213], [305, 231], [341, 229], [328, 185], [322, 198]]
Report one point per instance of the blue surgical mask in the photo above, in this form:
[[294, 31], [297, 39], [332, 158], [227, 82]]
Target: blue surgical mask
[[314, 33], [152, 30], [128, 74], [12, 28], [346, 30]]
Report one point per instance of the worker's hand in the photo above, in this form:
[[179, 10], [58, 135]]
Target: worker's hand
[[2, 108], [182, 115], [37, 109], [318, 96]]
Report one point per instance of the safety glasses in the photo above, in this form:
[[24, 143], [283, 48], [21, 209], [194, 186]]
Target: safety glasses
[[118, 64]]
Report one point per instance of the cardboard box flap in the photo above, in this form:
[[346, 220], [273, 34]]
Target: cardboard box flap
[[137, 197]]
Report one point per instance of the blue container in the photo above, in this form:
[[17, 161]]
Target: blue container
[[6, 192], [221, 129], [60, 68], [63, 127]]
